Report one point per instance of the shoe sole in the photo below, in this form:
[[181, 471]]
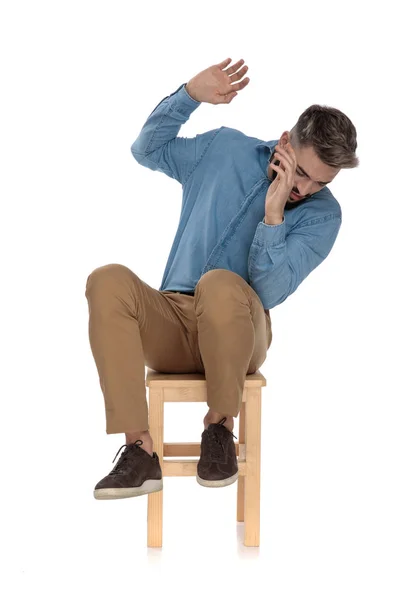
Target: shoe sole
[[148, 487], [217, 482]]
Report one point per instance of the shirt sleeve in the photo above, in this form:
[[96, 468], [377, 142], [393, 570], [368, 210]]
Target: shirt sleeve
[[279, 263], [158, 147]]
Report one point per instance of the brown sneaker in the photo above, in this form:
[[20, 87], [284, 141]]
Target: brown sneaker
[[136, 473], [218, 465]]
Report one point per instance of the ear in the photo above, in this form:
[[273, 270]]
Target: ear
[[285, 138]]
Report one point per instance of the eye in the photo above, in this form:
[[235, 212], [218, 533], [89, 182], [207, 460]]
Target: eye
[[298, 173]]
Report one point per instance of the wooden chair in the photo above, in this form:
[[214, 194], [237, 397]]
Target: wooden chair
[[165, 387]]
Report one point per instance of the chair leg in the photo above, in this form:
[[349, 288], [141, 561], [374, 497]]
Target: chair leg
[[241, 480], [253, 457], [155, 500]]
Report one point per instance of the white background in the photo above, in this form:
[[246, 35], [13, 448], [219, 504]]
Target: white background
[[78, 81]]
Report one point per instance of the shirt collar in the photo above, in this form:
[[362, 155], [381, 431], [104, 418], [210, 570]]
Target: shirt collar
[[269, 145]]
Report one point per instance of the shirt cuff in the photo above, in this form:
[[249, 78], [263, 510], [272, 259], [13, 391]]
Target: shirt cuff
[[182, 102], [270, 235]]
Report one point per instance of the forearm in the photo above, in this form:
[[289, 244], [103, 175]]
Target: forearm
[[164, 122], [278, 263], [269, 272], [273, 213]]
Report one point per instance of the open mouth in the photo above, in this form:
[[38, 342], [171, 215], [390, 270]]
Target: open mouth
[[295, 196]]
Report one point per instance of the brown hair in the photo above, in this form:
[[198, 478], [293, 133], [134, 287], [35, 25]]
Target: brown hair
[[331, 134]]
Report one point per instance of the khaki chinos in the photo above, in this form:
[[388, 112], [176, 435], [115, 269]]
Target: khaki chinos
[[222, 331]]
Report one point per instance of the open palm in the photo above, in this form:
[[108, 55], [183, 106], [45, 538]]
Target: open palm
[[218, 84]]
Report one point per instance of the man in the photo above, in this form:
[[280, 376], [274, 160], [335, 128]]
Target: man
[[256, 219]]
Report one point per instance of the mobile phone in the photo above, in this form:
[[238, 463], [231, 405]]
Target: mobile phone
[[274, 173]]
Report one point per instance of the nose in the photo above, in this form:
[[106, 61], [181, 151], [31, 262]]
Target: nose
[[305, 187]]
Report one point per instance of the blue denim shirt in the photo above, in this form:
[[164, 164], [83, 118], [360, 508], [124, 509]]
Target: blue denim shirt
[[223, 174]]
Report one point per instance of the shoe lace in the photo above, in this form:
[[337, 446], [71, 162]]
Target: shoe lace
[[129, 448], [216, 445]]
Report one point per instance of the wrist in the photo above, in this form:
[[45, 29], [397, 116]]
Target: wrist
[[191, 92], [273, 219]]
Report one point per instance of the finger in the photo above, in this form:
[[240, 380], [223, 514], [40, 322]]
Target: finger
[[226, 98], [278, 170], [236, 87], [285, 159], [285, 151], [235, 67], [230, 97], [287, 169], [290, 149], [239, 74], [224, 63], [290, 153], [290, 159]]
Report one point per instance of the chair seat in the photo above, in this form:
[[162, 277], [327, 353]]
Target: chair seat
[[158, 379]]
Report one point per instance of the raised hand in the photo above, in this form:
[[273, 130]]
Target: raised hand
[[217, 84]]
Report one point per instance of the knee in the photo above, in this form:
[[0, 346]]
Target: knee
[[218, 279], [106, 275], [221, 287]]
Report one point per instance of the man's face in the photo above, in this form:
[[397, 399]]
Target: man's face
[[311, 173]]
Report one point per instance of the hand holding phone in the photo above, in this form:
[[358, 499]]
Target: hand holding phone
[[282, 180]]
